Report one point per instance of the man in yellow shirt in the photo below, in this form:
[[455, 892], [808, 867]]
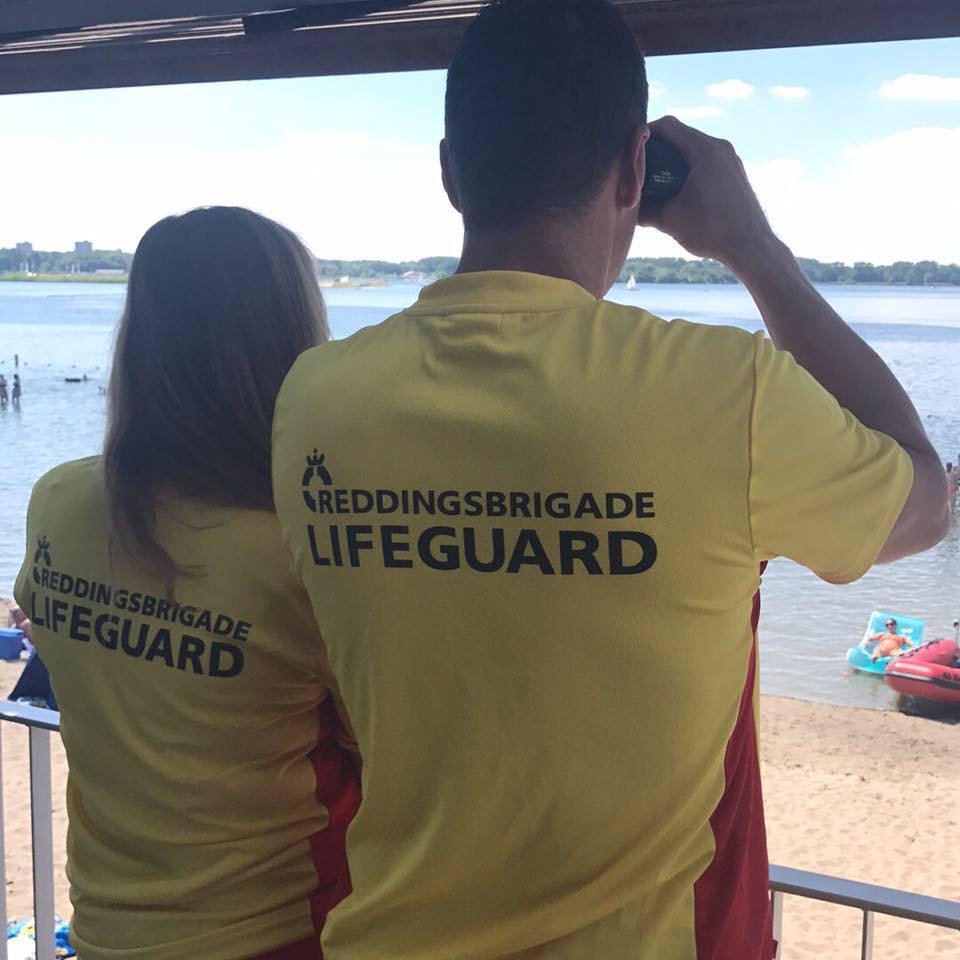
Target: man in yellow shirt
[[493, 500]]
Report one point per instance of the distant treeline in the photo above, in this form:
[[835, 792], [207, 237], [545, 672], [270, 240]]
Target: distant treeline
[[51, 261], [368, 269], [676, 270], [642, 269]]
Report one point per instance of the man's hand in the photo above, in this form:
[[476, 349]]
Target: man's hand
[[716, 214], [20, 620]]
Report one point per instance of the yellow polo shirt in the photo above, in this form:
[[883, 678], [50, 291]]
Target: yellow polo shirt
[[531, 524], [210, 780]]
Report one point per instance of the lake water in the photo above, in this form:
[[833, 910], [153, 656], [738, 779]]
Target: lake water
[[66, 330]]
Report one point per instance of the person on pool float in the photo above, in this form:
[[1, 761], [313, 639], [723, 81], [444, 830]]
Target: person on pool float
[[890, 643]]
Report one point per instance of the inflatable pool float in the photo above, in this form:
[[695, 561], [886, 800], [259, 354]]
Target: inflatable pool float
[[930, 673], [859, 657]]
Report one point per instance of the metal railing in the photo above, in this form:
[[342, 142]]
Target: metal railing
[[866, 897], [784, 881], [39, 725]]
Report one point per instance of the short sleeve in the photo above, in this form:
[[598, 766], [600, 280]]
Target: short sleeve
[[825, 491]]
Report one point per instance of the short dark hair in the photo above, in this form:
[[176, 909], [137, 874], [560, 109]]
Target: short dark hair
[[541, 98]]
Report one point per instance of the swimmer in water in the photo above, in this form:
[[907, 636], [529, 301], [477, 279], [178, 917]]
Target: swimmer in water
[[952, 483]]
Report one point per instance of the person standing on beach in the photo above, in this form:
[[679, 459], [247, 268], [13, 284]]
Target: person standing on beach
[[212, 772], [953, 479], [510, 553], [17, 390], [3, 390]]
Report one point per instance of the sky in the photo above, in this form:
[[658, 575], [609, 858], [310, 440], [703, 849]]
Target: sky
[[854, 152]]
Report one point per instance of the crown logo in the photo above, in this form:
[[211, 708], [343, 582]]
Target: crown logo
[[42, 551], [315, 468]]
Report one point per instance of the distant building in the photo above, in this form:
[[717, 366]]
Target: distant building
[[83, 246], [110, 272], [24, 249]]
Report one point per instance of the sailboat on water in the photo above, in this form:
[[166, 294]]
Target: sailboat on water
[[631, 282]]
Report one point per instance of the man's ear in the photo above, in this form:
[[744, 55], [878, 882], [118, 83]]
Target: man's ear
[[446, 172], [633, 168]]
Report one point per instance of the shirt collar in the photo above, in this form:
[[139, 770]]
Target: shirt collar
[[500, 291]]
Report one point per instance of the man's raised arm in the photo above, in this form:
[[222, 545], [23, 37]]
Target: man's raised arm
[[717, 215]]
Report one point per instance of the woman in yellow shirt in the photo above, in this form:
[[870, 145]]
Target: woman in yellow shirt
[[211, 771]]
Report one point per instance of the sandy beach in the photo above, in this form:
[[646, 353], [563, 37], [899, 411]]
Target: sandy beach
[[862, 794], [867, 795]]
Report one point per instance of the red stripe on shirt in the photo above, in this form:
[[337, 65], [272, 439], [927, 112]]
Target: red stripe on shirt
[[338, 789], [732, 901], [308, 949]]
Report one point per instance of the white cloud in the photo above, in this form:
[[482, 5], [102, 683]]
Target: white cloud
[[790, 93], [369, 195], [730, 90], [774, 175], [921, 86], [696, 113], [349, 195], [657, 89], [851, 210], [855, 212]]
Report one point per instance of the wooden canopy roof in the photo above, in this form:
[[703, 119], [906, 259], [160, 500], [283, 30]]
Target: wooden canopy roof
[[80, 44]]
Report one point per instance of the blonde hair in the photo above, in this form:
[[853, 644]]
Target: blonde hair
[[221, 301]]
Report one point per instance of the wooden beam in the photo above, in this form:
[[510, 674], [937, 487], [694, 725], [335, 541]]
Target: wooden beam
[[40, 16], [408, 45], [702, 26], [322, 52], [417, 42]]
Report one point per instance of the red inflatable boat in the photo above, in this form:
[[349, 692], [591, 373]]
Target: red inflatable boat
[[931, 672]]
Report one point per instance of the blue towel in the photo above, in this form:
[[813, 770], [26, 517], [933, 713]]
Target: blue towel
[[34, 684]]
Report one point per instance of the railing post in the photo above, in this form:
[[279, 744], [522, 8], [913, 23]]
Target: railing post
[[776, 906], [866, 936], [41, 821], [3, 866]]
